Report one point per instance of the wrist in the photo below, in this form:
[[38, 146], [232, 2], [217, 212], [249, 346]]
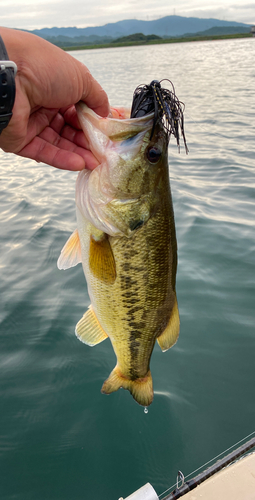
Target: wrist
[[8, 71]]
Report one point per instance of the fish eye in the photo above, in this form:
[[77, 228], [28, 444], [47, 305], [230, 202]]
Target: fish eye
[[153, 154]]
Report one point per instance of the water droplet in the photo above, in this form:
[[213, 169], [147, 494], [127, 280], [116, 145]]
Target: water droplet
[[146, 409]]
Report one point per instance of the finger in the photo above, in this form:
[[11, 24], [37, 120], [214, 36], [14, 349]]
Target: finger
[[75, 136], [95, 97], [38, 121], [70, 143], [58, 124], [74, 158], [70, 116], [67, 142], [70, 133]]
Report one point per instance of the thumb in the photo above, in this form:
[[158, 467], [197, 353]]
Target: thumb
[[93, 94]]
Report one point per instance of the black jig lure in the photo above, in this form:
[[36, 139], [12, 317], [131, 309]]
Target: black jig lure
[[165, 105]]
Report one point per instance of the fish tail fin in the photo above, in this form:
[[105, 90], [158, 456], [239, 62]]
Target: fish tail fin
[[141, 388]]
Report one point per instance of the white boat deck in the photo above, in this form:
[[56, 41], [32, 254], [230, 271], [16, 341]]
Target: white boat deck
[[235, 482]]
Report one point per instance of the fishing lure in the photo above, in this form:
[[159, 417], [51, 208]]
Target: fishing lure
[[165, 105]]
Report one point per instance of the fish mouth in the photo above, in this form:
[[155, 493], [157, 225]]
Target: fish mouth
[[117, 131], [152, 104]]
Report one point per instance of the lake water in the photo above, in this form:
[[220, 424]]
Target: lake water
[[60, 438]]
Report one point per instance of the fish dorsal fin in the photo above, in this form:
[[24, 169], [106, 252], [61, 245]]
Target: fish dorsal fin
[[88, 329], [170, 335], [101, 259], [71, 253]]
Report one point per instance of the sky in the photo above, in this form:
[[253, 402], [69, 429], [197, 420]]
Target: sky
[[36, 14]]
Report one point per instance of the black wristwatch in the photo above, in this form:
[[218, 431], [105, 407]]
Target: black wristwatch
[[8, 70]]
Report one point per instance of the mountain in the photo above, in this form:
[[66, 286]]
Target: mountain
[[169, 26], [76, 41], [221, 30], [137, 37]]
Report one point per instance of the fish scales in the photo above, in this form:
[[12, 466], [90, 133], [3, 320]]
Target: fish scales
[[144, 292], [126, 242]]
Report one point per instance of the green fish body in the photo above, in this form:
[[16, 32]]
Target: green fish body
[[126, 242]]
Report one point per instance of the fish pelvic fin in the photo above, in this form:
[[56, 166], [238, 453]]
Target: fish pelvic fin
[[71, 252], [171, 333], [141, 388], [88, 329]]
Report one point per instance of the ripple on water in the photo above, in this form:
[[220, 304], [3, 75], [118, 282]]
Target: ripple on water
[[57, 429]]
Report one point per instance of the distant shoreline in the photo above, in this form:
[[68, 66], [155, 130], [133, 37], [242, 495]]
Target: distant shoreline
[[157, 42]]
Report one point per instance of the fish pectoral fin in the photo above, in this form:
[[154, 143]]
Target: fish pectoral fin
[[88, 329], [141, 389], [101, 259], [71, 252], [170, 335]]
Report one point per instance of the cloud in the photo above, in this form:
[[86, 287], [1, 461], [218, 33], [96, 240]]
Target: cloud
[[229, 12], [78, 12], [244, 6], [18, 15], [81, 13]]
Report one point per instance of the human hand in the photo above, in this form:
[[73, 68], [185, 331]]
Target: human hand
[[44, 125]]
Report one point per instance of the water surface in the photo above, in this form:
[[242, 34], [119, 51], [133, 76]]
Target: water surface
[[60, 438]]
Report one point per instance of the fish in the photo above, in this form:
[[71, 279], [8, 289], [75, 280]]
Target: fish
[[125, 236]]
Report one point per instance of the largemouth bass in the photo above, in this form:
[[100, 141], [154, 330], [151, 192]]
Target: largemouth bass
[[126, 237]]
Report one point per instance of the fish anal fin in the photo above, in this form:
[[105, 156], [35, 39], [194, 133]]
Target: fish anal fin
[[89, 330], [71, 252], [141, 389], [101, 259], [170, 335]]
